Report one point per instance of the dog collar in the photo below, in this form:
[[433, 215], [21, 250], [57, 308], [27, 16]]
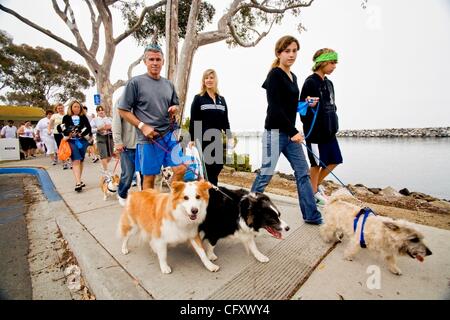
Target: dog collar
[[366, 212]]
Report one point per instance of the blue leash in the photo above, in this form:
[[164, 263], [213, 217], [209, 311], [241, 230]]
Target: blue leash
[[324, 165], [302, 109]]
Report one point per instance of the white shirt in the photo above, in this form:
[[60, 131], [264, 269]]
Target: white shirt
[[9, 132], [42, 127], [98, 123]]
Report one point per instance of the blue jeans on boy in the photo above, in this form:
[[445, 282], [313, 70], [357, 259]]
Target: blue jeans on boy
[[127, 159], [275, 143]]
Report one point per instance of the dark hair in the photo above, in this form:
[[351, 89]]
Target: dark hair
[[99, 108], [281, 45], [49, 112]]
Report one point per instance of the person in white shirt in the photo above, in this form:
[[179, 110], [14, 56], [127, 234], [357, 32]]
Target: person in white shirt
[[9, 131], [102, 126], [46, 136], [26, 139], [55, 121]]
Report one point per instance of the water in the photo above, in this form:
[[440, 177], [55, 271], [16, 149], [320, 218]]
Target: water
[[419, 164]]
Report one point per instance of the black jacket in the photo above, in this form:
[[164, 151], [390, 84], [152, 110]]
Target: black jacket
[[326, 125], [67, 125], [212, 115], [282, 97]]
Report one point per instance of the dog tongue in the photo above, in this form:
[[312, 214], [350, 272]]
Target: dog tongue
[[420, 258], [274, 233]]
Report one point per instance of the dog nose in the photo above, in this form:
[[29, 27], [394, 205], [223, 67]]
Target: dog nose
[[287, 228], [194, 210]]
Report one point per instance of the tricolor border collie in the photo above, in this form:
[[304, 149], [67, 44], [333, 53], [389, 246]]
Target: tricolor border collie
[[241, 214], [167, 219]]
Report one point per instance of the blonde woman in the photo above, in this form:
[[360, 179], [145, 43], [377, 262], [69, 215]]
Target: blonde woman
[[209, 112], [75, 128]]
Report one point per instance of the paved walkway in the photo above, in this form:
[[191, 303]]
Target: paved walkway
[[301, 266]]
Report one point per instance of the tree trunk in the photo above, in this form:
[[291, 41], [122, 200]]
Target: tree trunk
[[190, 45], [171, 38]]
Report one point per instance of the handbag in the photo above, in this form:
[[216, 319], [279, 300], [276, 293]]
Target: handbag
[[64, 150]]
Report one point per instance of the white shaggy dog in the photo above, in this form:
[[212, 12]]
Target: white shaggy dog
[[384, 235]]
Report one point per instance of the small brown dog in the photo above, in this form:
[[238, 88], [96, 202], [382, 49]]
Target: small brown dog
[[388, 237], [109, 185]]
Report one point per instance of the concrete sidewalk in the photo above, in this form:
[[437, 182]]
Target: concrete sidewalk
[[296, 269]]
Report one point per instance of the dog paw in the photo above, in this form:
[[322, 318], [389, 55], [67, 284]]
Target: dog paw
[[166, 269], [213, 267], [125, 251], [395, 270], [212, 257], [348, 258], [262, 258]]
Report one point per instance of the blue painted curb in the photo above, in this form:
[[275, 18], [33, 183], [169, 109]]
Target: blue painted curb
[[46, 183]]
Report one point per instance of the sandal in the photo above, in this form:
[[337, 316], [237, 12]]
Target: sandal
[[82, 184], [78, 187]]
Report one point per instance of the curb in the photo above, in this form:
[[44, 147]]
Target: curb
[[44, 179], [105, 276]]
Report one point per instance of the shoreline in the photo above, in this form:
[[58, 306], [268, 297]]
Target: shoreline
[[413, 206], [428, 132]]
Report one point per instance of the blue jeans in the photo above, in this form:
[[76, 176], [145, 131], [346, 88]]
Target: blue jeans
[[127, 158], [275, 143]]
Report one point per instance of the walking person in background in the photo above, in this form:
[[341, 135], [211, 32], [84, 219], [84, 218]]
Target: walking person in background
[[102, 127], [322, 139], [26, 139], [75, 127], [280, 135], [55, 121], [9, 131], [91, 150], [210, 111], [149, 103], [124, 136], [47, 138]]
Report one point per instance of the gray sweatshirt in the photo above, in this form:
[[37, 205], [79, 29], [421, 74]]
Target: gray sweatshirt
[[123, 131]]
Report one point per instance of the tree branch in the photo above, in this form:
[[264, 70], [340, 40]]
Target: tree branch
[[84, 54], [221, 33], [251, 44], [71, 23], [120, 83], [267, 9], [95, 22], [139, 22]]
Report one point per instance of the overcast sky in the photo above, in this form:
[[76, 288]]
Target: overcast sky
[[393, 69]]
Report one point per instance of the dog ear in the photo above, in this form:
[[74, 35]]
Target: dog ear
[[205, 185], [391, 225], [177, 186]]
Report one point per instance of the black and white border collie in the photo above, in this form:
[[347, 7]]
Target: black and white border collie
[[241, 214]]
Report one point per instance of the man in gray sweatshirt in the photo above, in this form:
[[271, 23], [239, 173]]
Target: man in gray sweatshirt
[[124, 137]]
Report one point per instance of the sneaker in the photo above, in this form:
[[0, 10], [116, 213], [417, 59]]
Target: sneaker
[[314, 222], [95, 159], [54, 162], [78, 187], [122, 201], [321, 189], [134, 183], [65, 166], [320, 199]]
